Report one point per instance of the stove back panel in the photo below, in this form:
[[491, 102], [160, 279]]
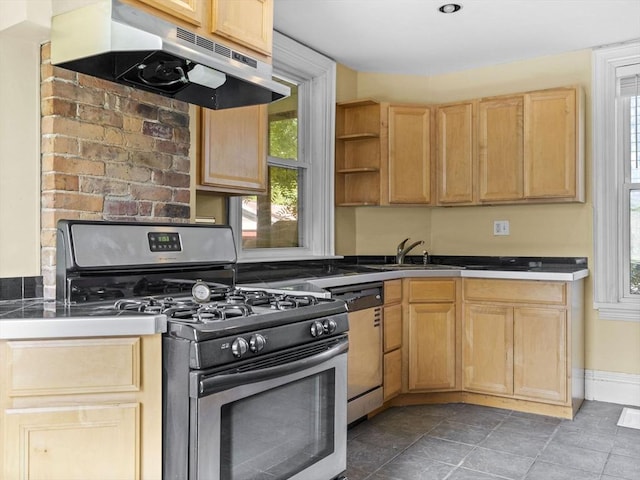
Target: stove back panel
[[115, 245]]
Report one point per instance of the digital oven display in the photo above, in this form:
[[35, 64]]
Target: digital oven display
[[164, 242]]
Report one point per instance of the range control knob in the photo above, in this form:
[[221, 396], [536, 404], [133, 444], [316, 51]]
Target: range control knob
[[330, 326], [257, 343], [239, 347], [317, 328]]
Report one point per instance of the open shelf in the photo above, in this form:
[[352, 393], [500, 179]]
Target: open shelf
[[359, 138], [358, 170]]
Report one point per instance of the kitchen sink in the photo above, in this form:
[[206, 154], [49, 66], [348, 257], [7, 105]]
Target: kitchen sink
[[409, 266]]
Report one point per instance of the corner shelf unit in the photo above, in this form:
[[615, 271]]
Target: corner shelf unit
[[361, 133]]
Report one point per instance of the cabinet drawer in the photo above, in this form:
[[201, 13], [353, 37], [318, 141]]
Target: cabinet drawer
[[392, 322], [432, 291], [73, 366], [515, 291], [392, 291], [392, 383]]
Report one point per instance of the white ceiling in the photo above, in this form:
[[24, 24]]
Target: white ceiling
[[413, 37]]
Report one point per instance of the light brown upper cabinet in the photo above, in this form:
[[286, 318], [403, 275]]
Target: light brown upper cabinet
[[246, 25], [248, 22], [523, 148], [383, 154], [500, 149], [456, 152], [233, 156], [409, 154], [552, 145], [194, 12]]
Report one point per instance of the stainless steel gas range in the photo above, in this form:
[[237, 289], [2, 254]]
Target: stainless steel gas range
[[254, 382]]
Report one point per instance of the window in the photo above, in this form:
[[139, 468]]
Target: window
[[294, 220], [271, 220], [616, 150]]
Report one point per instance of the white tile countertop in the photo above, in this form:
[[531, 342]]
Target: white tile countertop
[[38, 318]]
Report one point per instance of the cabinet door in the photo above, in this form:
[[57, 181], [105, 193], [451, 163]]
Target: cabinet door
[[234, 149], [392, 383], [487, 349], [432, 346], [191, 11], [500, 139], [248, 22], [455, 153], [73, 443], [550, 144], [392, 327], [539, 354], [409, 155]]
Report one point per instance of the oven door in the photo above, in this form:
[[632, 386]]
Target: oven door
[[286, 420]]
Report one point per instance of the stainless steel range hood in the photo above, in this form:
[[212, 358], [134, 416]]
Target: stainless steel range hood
[[117, 42]]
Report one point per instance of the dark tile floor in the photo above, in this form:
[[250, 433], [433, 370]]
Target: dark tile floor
[[469, 442]]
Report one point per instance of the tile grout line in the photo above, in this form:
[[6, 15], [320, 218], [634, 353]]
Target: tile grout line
[[404, 449], [555, 430], [537, 459], [475, 447]]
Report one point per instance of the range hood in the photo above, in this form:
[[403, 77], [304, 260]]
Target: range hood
[[117, 42]]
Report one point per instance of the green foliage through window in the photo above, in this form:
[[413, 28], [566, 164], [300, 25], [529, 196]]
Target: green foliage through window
[[283, 138]]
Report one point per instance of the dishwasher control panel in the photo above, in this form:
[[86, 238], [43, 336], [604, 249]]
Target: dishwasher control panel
[[360, 296]]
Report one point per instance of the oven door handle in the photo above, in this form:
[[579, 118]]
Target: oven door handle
[[221, 381]]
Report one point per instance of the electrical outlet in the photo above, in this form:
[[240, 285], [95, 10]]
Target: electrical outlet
[[501, 227]]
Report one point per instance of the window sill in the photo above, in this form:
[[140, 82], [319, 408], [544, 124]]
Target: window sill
[[627, 312], [270, 257]]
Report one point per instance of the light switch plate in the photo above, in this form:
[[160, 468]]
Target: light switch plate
[[501, 227]]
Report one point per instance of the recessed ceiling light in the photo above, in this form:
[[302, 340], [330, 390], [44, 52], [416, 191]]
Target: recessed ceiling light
[[450, 8]]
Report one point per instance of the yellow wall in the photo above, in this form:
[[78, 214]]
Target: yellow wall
[[536, 230], [19, 155]]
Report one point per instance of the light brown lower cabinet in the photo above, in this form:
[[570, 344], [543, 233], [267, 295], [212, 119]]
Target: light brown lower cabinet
[[540, 354], [487, 349], [516, 344], [515, 340], [75, 409], [432, 346], [392, 374], [515, 351], [392, 339], [432, 334]]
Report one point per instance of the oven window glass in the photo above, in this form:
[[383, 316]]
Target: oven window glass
[[280, 432]]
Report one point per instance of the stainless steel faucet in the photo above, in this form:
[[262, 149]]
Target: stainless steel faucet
[[402, 250]]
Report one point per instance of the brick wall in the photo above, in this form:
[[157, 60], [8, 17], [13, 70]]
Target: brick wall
[[109, 152]]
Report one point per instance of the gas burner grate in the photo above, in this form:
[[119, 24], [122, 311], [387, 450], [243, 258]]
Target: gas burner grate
[[217, 312], [234, 303], [288, 301]]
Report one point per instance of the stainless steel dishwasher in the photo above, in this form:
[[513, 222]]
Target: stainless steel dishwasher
[[364, 360]]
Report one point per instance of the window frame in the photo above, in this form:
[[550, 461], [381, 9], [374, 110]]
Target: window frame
[[316, 75], [611, 224]]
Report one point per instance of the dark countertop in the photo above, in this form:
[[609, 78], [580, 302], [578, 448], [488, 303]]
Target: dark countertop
[[39, 318], [269, 272]]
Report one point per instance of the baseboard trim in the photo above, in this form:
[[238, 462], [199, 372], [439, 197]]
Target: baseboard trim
[[612, 387]]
